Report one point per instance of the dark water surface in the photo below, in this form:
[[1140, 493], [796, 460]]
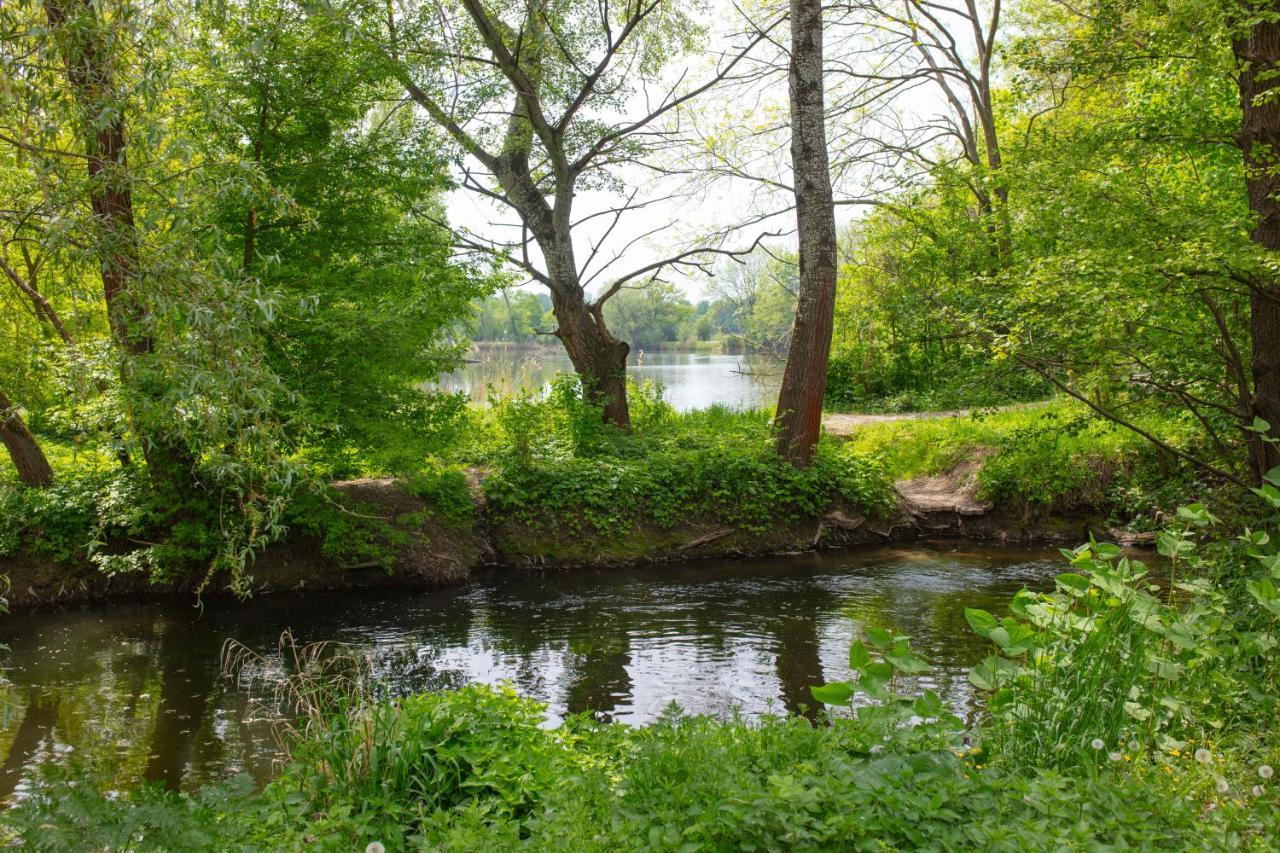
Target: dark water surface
[[135, 691]]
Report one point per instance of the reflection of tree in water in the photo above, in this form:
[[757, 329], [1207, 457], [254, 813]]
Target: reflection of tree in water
[[34, 733], [596, 673], [798, 663], [189, 668]]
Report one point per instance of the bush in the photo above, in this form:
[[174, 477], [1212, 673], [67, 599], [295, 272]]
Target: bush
[[1112, 667], [472, 769]]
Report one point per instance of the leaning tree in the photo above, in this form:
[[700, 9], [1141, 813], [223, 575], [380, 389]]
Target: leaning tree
[[545, 101]]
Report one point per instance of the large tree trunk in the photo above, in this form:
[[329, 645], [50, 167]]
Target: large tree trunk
[[24, 450], [88, 63], [1257, 51], [799, 419], [599, 358]]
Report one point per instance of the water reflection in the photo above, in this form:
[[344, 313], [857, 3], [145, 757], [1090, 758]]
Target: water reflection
[[690, 380], [134, 692]]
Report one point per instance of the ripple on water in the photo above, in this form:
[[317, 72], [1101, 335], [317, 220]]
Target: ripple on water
[[137, 690]]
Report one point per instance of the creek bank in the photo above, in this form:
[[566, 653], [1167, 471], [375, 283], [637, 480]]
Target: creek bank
[[422, 549]]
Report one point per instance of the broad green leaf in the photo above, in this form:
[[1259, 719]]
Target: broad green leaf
[[859, 657], [1074, 583], [880, 638], [980, 620], [834, 693]]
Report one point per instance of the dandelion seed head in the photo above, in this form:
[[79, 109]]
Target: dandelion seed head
[[1222, 786], [1257, 790], [1266, 772], [1097, 743], [1203, 755], [1114, 756], [375, 847]]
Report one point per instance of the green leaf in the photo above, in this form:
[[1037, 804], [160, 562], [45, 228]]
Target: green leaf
[[1259, 426], [1076, 584], [835, 693], [1107, 551], [907, 664], [859, 657], [1270, 494], [991, 673], [880, 638], [980, 621], [873, 686], [879, 670], [928, 705]]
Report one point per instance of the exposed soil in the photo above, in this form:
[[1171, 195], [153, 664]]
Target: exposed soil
[[952, 491]]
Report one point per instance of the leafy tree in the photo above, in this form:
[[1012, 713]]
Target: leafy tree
[[346, 228], [535, 97], [650, 316]]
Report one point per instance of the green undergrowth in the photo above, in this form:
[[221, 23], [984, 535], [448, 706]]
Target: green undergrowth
[[550, 460], [1047, 457], [546, 462], [474, 770]]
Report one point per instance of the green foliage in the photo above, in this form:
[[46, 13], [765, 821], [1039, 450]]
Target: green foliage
[[473, 769], [555, 459], [1055, 457], [446, 490], [907, 724], [353, 246], [649, 316], [1112, 666]]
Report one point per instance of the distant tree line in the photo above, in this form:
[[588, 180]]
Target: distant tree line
[[748, 306]]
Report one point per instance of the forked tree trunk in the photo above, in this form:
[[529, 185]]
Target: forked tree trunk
[[24, 450], [799, 418], [599, 358], [1257, 52]]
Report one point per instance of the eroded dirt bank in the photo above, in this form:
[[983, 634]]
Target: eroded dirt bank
[[423, 550]]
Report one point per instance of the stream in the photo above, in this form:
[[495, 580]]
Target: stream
[[135, 691]]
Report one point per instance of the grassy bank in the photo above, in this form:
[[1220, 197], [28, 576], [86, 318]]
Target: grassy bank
[[1117, 715], [1055, 457], [540, 479]]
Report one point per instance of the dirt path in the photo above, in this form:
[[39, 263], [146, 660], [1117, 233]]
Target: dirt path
[[842, 425]]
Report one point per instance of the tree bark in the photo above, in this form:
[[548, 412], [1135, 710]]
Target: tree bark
[[24, 450], [799, 418], [599, 359], [1257, 52]]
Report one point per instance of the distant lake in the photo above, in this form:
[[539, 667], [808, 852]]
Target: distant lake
[[690, 380]]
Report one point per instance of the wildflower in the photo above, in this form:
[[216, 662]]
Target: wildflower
[[1266, 772], [375, 847], [1133, 746], [1203, 755], [1222, 786], [1097, 743], [1257, 791], [1113, 756]]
